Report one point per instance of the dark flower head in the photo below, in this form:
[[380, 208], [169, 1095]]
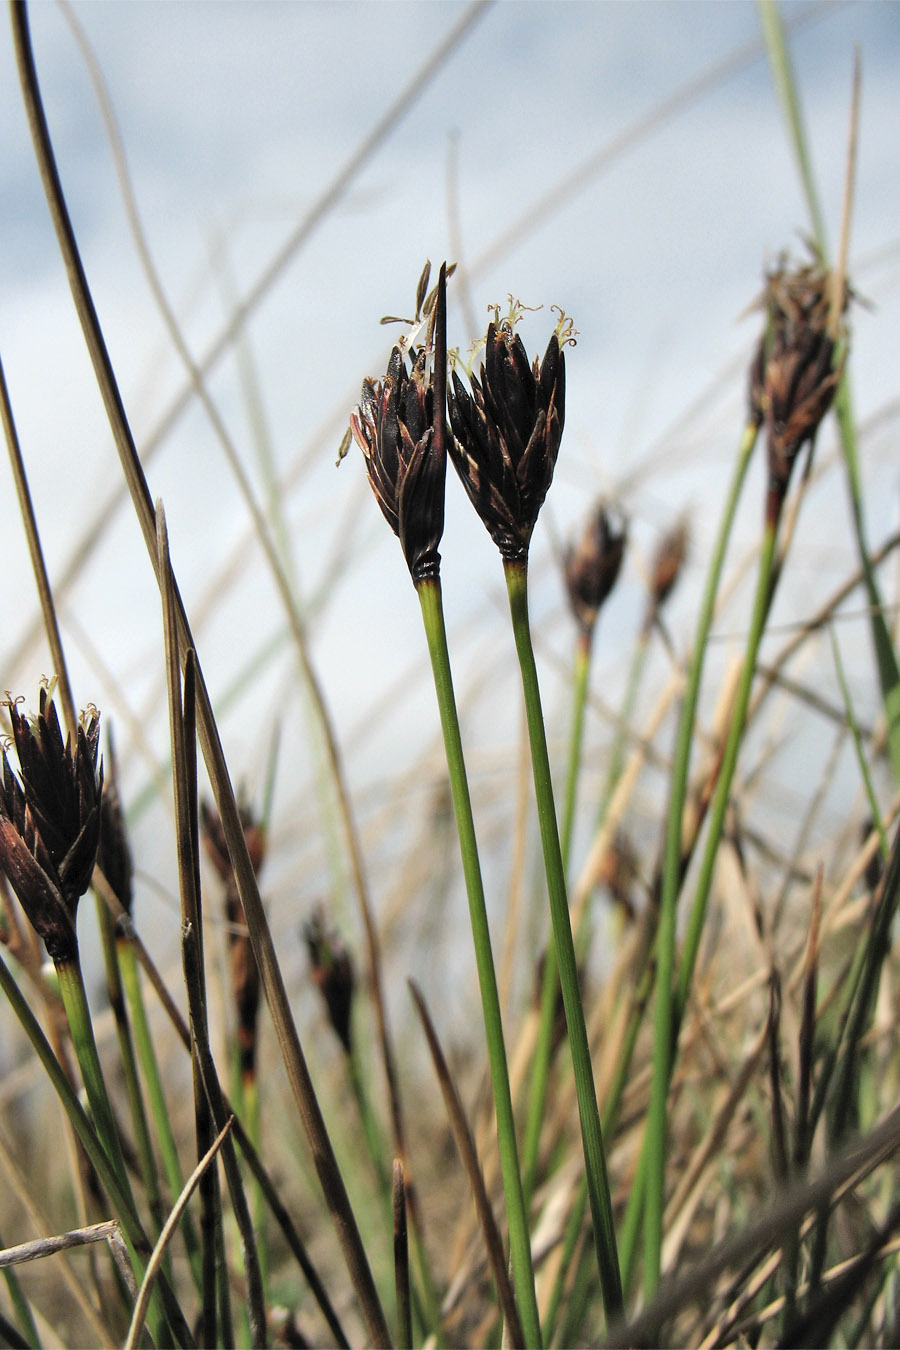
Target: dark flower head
[[332, 972], [399, 426], [794, 375], [506, 435], [50, 821], [217, 846], [667, 564], [245, 981], [592, 565]]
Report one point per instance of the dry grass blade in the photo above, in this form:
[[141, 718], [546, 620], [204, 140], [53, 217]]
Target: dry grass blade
[[76, 1237], [469, 1156], [839, 275], [29, 520]]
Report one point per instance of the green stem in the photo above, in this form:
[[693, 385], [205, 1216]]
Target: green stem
[[71, 988], [673, 872], [129, 1067], [591, 1133], [543, 1052], [664, 1051], [726, 773], [158, 1107], [74, 997], [429, 592]]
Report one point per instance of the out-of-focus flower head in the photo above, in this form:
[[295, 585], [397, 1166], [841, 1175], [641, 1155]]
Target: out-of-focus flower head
[[797, 368], [245, 981], [668, 562], [592, 564], [333, 975]]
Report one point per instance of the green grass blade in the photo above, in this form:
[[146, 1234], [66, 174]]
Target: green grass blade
[[673, 870]]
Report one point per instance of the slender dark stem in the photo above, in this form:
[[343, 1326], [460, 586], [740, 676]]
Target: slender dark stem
[[401, 1259]]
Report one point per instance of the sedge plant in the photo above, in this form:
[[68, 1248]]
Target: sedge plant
[[794, 376], [400, 426], [506, 438]]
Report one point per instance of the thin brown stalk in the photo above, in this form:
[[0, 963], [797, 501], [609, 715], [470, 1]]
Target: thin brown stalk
[[465, 1144], [779, 1127], [806, 1041], [401, 1259], [184, 773], [29, 521], [81, 1170]]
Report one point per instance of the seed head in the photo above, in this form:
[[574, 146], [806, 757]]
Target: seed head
[[216, 844], [667, 564], [794, 376], [506, 435], [332, 972], [245, 982], [50, 820], [592, 565], [400, 427]]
